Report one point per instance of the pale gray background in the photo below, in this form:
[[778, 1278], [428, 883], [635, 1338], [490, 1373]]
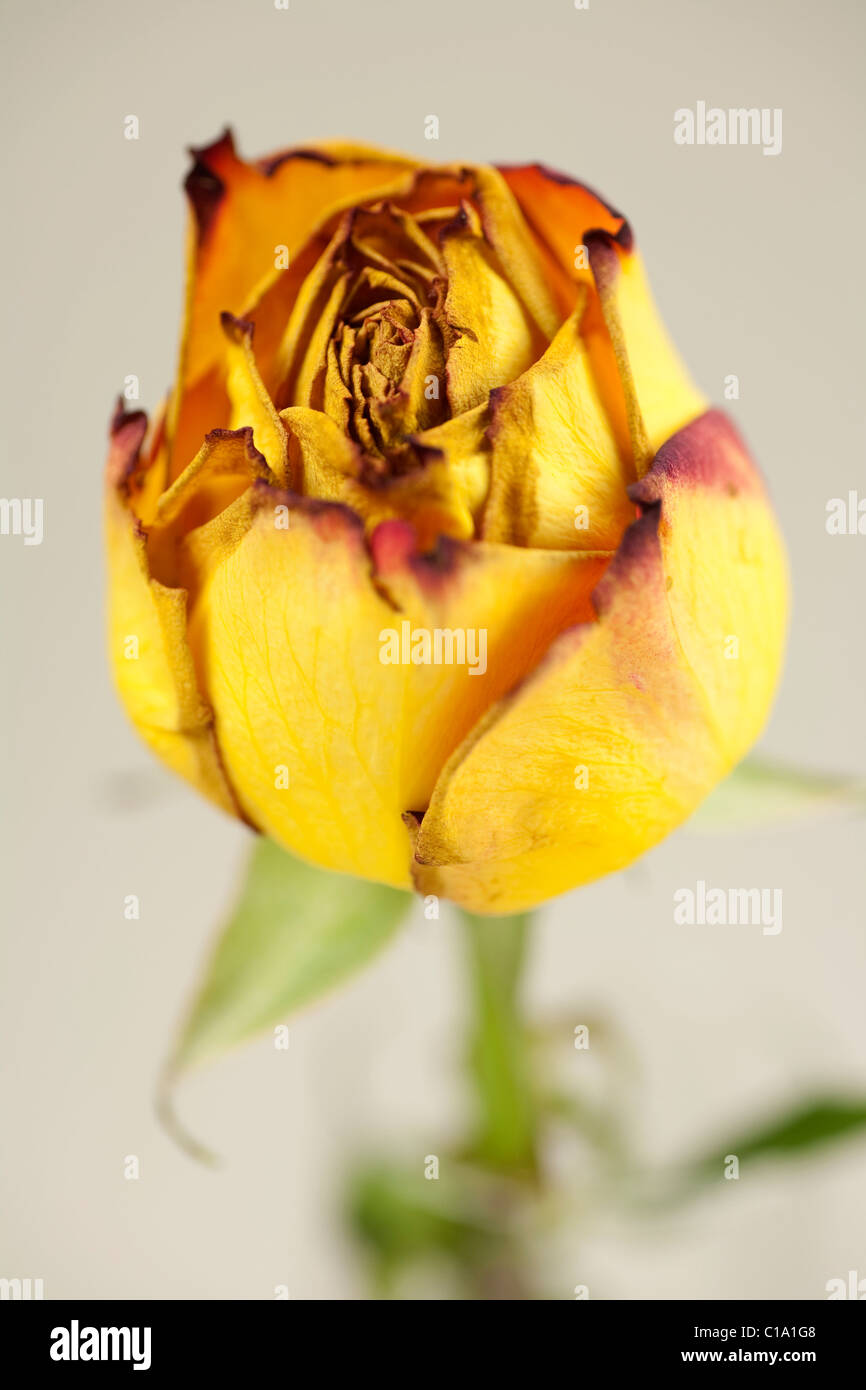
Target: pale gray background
[[757, 264]]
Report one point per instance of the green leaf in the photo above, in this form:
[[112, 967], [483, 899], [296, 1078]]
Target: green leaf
[[465, 1225], [760, 793], [295, 933], [401, 1216], [809, 1125]]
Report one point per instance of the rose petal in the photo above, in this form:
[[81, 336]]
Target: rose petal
[[242, 213], [660, 396], [552, 452], [288, 633], [631, 719], [149, 653]]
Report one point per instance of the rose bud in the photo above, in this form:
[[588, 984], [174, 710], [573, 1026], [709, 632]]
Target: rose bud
[[436, 567]]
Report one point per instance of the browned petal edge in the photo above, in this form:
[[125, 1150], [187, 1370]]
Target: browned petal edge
[[206, 189], [202, 185], [521, 504], [235, 328], [424, 457], [605, 267], [602, 258], [459, 222], [636, 564], [269, 164], [124, 466], [126, 434], [391, 548], [709, 453], [625, 234], [255, 457], [394, 547], [272, 162], [331, 520]]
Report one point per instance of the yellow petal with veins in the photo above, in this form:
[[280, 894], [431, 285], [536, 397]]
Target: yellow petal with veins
[[148, 649], [505, 229], [556, 476], [220, 473], [251, 406], [461, 441], [326, 744], [497, 341], [632, 719], [590, 556], [332, 469], [504, 603], [660, 395]]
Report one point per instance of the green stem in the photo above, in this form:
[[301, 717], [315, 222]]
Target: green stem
[[498, 1055]]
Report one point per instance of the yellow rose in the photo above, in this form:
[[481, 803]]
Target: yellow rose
[[436, 567]]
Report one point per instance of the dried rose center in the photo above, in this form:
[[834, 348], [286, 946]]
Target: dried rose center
[[370, 337]]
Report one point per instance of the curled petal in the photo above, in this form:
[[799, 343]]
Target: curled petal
[[496, 340], [631, 719], [149, 652], [251, 406], [556, 475], [660, 396], [506, 231], [326, 742], [646, 390], [562, 211], [439, 495], [243, 215]]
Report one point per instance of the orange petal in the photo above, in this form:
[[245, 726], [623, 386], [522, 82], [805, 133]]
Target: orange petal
[[242, 214], [563, 214]]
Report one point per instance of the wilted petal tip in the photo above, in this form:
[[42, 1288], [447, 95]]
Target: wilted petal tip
[[254, 456], [271, 163], [636, 564], [394, 547], [203, 186], [707, 453], [331, 520], [624, 236], [235, 328], [126, 433]]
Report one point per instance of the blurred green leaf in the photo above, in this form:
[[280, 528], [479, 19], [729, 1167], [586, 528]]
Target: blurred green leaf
[[402, 1216], [467, 1220], [760, 793], [807, 1126], [295, 933]]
